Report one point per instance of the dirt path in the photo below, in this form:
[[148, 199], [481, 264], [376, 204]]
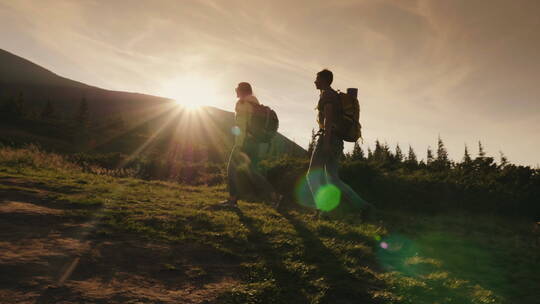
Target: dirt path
[[48, 255]]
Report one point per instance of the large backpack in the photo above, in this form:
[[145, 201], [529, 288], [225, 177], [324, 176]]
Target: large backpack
[[264, 123], [349, 128]]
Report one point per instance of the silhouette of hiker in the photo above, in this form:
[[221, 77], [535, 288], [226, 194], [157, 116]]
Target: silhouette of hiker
[[326, 187], [244, 156]]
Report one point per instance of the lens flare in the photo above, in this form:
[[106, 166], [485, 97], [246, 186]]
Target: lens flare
[[302, 192], [327, 197], [394, 251], [235, 130]]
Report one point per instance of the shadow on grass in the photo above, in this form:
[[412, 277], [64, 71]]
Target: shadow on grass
[[281, 290], [343, 286], [326, 281]]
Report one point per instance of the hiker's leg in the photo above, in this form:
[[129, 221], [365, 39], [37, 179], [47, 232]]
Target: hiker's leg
[[315, 175], [258, 181], [263, 186], [232, 174], [332, 175]]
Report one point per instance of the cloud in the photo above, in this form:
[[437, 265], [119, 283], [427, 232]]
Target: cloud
[[464, 69]]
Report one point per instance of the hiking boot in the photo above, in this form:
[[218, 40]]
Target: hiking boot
[[277, 201], [230, 203], [226, 204]]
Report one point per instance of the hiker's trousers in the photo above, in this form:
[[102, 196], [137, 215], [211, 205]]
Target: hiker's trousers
[[243, 173], [324, 170]]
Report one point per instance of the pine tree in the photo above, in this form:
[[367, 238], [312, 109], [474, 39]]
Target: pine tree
[[348, 156], [378, 152], [82, 113], [399, 154], [15, 107], [357, 153], [429, 158], [342, 156], [387, 154], [411, 157], [467, 157], [48, 111], [482, 162], [19, 106], [442, 161], [481, 152], [504, 160], [369, 154]]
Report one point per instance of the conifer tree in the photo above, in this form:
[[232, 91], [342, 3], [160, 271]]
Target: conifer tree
[[387, 154], [504, 160], [429, 158], [411, 157], [357, 153], [378, 152], [82, 113], [481, 152], [369, 154], [482, 162], [399, 154], [15, 107], [442, 155], [347, 156], [467, 157], [48, 111]]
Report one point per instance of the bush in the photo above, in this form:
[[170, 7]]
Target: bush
[[512, 190], [33, 156]]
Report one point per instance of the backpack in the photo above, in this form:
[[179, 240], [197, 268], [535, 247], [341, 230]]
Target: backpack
[[348, 126], [264, 123]]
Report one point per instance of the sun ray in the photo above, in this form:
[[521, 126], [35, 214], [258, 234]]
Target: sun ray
[[142, 116], [134, 154], [216, 135]]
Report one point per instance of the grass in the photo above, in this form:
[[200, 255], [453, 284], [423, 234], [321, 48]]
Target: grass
[[290, 256]]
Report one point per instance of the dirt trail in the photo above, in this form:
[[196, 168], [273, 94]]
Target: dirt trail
[[48, 255]]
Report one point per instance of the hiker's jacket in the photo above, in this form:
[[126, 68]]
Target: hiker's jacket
[[244, 110], [329, 96]]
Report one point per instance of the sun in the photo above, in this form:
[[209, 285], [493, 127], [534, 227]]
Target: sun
[[191, 91]]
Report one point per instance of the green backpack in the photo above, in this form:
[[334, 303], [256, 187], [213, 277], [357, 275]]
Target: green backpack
[[348, 126]]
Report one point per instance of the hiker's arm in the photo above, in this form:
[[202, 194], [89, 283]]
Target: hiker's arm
[[241, 123], [328, 123]]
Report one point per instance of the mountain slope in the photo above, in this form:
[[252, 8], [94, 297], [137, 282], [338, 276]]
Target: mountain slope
[[17, 70], [141, 120]]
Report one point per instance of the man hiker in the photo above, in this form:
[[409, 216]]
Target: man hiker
[[245, 153], [323, 168]]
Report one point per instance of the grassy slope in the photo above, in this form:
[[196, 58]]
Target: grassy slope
[[289, 257]]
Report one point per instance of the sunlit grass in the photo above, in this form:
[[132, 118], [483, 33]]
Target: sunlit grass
[[291, 257]]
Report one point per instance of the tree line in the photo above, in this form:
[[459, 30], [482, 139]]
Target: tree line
[[15, 108], [392, 177]]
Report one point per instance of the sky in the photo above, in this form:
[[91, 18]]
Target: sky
[[464, 70]]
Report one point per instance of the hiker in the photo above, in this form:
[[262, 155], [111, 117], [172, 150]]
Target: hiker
[[323, 167], [244, 156]]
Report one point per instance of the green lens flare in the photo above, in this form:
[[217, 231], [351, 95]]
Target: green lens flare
[[302, 191], [235, 131], [327, 197]]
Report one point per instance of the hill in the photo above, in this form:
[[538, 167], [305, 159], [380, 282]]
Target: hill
[[116, 121]]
